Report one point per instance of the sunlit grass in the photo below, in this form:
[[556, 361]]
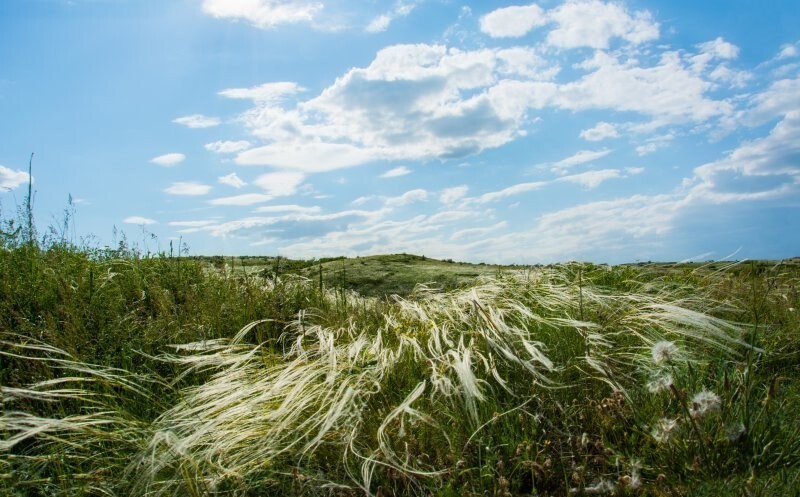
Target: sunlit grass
[[131, 375]]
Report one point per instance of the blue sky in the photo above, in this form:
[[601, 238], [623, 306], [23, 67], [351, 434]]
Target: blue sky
[[479, 131]]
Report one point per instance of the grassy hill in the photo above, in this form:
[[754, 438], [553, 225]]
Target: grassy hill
[[124, 374]]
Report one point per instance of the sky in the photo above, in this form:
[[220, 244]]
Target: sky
[[498, 132]]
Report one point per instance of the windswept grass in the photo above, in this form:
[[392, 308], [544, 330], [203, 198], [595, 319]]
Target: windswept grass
[[572, 379], [125, 374]]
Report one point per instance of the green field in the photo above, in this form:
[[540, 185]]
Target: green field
[[126, 373]]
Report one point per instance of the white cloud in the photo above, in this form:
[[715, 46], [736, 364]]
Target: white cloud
[[363, 200], [715, 51], [291, 225], [667, 91], [381, 23], [592, 179], [263, 13], [288, 208], [578, 23], [187, 188], [511, 190], [412, 102], [395, 172], [731, 77], [761, 169], [305, 156], [788, 51], [11, 179], [453, 194], [374, 234], [266, 93], [142, 221], [423, 102], [654, 143], [227, 147], [719, 48], [594, 23], [244, 199], [578, 158], [280, 183], [192, 224], [600, 131], [197, 121], [168, 160], [780, 97], [477, 232], [408, 197], [513, 22], [589, 226], [634, 170], [232, 179]]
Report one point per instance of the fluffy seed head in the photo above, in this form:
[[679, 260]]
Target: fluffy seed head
[[705, 402], [663, 352]]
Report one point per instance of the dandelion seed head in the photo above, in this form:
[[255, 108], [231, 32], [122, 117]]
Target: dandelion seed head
[[663, 352], [660, 383], [705, 402], [733, 432], [663, 430]]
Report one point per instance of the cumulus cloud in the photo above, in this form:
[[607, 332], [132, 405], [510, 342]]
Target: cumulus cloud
[[453, 194], [408, 197], [600, 131], [280, 183], [168, 160], [668, 91], [780, 97], [227, 146], [594, 23], [761, 169], [197, 121], [263, 14], [189, 188], [423, 102], [11, 179], [411, 102], [577, 23], [513, 22], [142, 221], [395, 172], [232, 179]]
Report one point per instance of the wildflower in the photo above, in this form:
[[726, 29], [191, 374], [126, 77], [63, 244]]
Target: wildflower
[[705, 402], [660, 383], [663, 430], [663, 351]]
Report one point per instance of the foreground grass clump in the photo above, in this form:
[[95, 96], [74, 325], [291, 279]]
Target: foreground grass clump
[[573, 379]]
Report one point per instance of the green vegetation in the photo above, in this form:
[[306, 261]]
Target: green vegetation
[[127, 373]]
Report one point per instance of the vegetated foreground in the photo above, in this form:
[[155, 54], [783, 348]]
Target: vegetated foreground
[[131, 375]]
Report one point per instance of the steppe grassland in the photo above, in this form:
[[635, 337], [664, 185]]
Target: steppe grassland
[[130, 374]]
